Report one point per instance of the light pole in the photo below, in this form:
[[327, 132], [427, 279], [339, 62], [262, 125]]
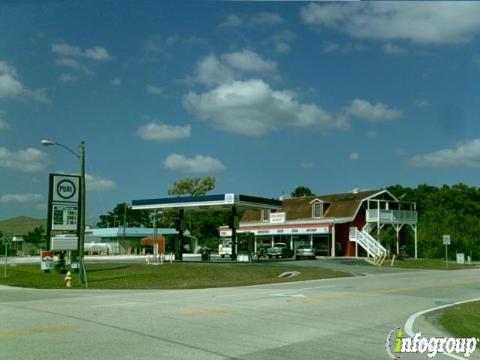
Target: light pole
[[81, 235]]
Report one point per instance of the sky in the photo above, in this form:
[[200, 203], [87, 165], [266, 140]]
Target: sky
[[264, 96]]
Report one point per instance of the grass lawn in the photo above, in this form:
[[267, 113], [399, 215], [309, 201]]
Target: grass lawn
[[433, 264], [460, 321], [166, 276]]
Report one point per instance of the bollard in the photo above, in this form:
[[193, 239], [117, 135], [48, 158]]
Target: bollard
[[68, 279]]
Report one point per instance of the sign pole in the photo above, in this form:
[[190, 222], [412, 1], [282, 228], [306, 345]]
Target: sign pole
[[446, 242], [5, 270], [446, 255]]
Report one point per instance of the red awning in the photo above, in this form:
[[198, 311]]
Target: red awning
[[150, 240]]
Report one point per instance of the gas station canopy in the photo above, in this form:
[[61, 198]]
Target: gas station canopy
[[208, 202]]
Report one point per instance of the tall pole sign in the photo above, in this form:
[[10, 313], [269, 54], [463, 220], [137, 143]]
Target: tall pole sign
[[63, 209]]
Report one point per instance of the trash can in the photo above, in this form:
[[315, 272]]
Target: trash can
[[205, 254]]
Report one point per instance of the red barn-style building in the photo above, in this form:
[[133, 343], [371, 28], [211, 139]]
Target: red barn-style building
[[347, 224]]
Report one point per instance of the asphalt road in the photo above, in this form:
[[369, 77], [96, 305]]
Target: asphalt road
[[345, 318]]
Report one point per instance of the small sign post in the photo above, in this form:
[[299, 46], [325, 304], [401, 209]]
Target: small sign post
[[5, 270], [446, 242], [7, 239]]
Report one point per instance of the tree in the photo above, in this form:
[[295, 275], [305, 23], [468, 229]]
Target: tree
[[302, 191], [123, 215], [36, 236], [192, 186], [452, 210]]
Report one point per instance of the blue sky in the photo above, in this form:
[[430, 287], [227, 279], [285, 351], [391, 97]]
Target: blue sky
[[264, 96]]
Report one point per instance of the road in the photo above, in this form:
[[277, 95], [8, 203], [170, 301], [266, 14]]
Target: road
[[345, 318]]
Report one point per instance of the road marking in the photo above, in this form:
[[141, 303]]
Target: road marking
[[348, 294], [38, 330], [409, 323], [118, 304], [204, 312], [288, 295]]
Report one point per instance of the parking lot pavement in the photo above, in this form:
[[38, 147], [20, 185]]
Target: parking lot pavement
[[337, 318], [353, 266]]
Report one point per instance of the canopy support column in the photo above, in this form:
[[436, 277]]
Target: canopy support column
[[180, 229], [233, 226]]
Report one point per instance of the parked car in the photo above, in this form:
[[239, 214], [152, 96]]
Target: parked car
[[305, 252], [279, 250]]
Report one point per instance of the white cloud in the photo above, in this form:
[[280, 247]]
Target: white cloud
[[249, 62], [421, 103], [426, 22], [393, 49], [67, 78], [159, 45], [74, 57], [153, 90], [28, 160], [267, 18], [196, 164], [97, 53], [213, 70], [252, 108], [98, 183], [354, 156], [10, 86], [331, 47], [232, 20], [281, 42], [367, 111], [210, 71], [258, 19], [116, 81], [21, 198], [163, 133], [307, 165], [3, 123], [72, 64], [466, 154]]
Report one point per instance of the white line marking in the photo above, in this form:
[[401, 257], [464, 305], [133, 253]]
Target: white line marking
[[118, 304], [409, 323], [288, 295]]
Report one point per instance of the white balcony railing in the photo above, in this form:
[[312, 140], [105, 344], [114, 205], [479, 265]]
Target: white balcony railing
[[392, 216]]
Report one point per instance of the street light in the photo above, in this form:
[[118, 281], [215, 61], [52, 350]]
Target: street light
[[81, 235]]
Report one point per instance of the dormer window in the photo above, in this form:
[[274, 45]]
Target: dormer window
[[265, 215], [317, 210]]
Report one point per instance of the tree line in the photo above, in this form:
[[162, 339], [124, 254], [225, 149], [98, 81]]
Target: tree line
[[446, 210]]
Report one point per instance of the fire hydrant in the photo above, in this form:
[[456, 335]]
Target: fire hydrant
[[68, 279]]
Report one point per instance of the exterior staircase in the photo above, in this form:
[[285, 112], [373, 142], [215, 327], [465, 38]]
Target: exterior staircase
[[369, 244]]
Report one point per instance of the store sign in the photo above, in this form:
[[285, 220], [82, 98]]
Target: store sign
[[281, 231], [64, 242], [64, 202], [229, 198], [277, 217], [47, 260], [66, 188], [64, 216]]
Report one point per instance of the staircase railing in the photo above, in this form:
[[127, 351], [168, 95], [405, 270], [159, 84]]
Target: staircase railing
[[369, 244]]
